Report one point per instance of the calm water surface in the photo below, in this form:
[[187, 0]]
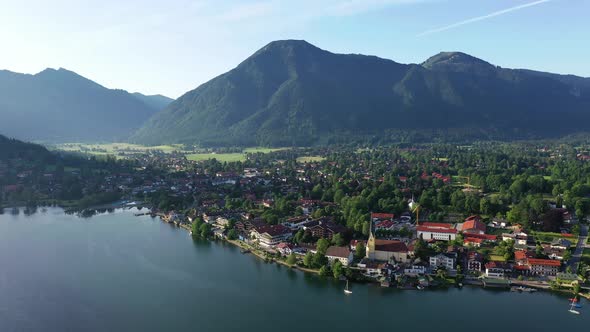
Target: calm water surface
[[118, 272]]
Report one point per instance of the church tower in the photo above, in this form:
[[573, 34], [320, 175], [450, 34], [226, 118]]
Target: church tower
[[370, 250]]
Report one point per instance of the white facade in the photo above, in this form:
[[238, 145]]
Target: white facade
[[441, 260], [434, 235]]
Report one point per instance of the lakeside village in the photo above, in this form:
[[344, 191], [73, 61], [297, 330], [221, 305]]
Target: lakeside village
[[406, 217]]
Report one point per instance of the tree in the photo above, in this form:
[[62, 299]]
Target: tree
[[307, 260], [292, 259], [337, 269], [319, 260], [324, 271], [337, 239], [322, 246], [360, 251], [567, 255], [232, 234]]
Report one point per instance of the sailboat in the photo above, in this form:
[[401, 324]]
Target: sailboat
[[347, 290], [572, 308]]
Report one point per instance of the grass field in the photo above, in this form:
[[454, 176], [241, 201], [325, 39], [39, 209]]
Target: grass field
[[586, 256], [263, 150], [222, 157], [497, 258], [548, 237], [310, 159], [114, 148]]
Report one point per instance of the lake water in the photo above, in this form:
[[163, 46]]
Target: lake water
[[118, 272]]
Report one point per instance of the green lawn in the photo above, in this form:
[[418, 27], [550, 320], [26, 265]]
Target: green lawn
[[263, 150], [310, 159], [497, 258], [549, 237], [222, 157], [586, 255], [114, 148]]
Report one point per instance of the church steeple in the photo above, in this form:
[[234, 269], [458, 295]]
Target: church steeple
[[370, 250]]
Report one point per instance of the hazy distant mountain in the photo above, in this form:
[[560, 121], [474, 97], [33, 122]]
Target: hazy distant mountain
[[157, 102], [291, 92], [60, 105], [12, 148]]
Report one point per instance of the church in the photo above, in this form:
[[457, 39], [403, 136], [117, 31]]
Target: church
[[386, 250]]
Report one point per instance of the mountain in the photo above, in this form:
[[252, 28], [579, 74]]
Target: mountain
[[60, 105], [157, 102], [293, 93], [12, 148]]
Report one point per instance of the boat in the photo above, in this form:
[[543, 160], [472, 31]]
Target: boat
[[574, 299], [420, 287], [576, 312], [347, 290], [245, 251], [460, 284], [578, 306]]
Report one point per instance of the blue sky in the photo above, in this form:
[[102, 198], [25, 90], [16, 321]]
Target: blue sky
[[171, 47]]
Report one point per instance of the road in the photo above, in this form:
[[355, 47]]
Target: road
[[577, 255]]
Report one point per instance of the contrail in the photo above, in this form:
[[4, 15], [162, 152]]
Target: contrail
[[481, 18]]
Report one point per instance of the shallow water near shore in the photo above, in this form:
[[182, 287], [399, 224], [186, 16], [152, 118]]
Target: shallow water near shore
[[118, 272]]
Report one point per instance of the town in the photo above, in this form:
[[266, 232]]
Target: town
[[411, 217]]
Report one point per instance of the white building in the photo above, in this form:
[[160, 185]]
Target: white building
[[443, 260], [436, 231]]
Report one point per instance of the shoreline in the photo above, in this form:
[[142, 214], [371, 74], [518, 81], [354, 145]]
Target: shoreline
[[256, 252]]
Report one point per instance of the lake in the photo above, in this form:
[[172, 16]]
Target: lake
[[118, 272]]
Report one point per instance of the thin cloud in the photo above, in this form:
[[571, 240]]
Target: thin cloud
[[481, 18]]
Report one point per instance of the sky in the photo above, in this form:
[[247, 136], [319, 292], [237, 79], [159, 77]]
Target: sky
[[171, 47]]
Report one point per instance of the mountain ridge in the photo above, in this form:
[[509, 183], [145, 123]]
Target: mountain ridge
[[59, 105], [294, 93]]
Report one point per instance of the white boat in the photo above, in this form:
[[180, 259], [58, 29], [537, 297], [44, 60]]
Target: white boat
[[572, 309], [346, 290]]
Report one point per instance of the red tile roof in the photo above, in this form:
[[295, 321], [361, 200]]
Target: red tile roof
[[436, 228], [473, 224], [546, 262], [334, 251], [382, 215], [390, 246]]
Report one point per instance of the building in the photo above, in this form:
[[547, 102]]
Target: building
[[446, 260], [544, 267], [386, 250], [561, 243], [323, 228], [474, 262], [415, 270], [271, 235], [497, 269], [342, 254], [436, 231], [519, 238], [473, 225]]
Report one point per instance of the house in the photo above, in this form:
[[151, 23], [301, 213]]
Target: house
[[473, 225], [271, 235], [415, 270], [474, 262], [384, 225], [545, 267], [554, 252], [382, 216], [436, 231], [342, 254], [446, 260], [519, 238], [497, 269], [372, 268], [471, 241], [567, 279], [561, 243], [323, 228], [285, 248]]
